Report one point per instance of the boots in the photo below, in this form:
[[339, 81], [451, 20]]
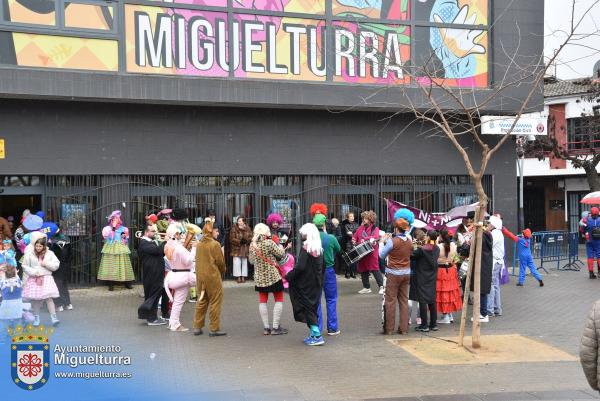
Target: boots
[[590, 263]]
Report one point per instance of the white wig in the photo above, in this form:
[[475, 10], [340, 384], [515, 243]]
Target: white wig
[[312, 244], [261, 230]]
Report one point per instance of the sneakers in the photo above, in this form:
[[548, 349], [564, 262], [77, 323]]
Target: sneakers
[[312, 341], [497, 314], [333, 332], [434, 328], [55, 320], [423, 329], [541, 283], [381, 290], [60, 309], [69, 307], [266, 331], [519, 284], [451, 317], [216, 333], [483, 319], [156, 322], [192, 300], [36, 320], [198, 332], [365, 291], [179, 328], [279, 331], [444, 320], [592, 275]]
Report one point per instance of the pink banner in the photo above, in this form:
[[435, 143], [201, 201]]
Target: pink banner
[[430, 220]]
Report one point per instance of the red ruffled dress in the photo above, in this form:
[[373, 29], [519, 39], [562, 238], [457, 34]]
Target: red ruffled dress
[[448, 296]]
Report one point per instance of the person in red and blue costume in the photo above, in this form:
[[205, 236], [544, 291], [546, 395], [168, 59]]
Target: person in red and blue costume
[[591, 228], [525, 257]]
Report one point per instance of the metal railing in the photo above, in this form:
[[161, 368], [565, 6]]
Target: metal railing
[[552, 247]]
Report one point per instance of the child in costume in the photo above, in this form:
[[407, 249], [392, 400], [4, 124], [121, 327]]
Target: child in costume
[[306, 283], [591, 228], [525, 258], [115, 265], [11, 308], [423, 280], [38, 264], [8, 257], [286, 264]]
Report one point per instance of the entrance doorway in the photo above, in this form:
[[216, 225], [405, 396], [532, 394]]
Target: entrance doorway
[[13, 205]]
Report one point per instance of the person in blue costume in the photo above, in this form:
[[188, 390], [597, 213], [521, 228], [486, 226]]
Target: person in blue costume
[[525, 257], [331, 247], [591, 228]]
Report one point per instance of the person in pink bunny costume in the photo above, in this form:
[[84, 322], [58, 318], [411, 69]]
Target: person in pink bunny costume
[[180, 278], [115, 265]]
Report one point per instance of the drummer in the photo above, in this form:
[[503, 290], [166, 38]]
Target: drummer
[[369, 233]]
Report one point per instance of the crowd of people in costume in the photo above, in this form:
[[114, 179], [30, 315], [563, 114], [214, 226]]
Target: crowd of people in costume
[[413, 268], [35, 265]]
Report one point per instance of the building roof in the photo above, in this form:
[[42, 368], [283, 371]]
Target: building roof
[[567, 87]]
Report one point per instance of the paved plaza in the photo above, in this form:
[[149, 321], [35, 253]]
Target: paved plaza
[[360, 364]]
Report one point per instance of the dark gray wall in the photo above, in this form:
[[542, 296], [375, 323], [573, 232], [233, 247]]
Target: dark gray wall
[[517, 32], [59, 138]]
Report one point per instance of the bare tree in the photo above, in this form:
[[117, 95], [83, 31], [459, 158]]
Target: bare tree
[[453, 112]]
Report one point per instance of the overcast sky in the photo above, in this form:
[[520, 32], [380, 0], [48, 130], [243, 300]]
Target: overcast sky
[[574, 60]]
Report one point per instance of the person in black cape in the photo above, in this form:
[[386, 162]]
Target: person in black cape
[[306, 283], [153, 264], [424, 279]]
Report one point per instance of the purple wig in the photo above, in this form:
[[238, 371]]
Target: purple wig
[[274, 218]]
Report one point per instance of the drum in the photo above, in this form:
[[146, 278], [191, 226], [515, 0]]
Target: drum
[[357, 253]]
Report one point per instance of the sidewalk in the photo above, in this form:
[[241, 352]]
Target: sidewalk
[[358, 364]]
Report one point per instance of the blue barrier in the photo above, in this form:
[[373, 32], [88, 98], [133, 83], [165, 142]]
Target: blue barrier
[[553, 246]]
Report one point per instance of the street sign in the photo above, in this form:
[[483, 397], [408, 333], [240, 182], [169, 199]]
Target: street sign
[[528, 124], [2, 149]]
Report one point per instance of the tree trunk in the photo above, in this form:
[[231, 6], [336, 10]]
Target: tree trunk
[[479, 217], [592, 177], [465, 307]]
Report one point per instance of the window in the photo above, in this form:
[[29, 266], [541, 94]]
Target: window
[[583, 133], [89, 16], [40, 12]]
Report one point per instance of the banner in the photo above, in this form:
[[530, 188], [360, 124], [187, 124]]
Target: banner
[[429, 220]]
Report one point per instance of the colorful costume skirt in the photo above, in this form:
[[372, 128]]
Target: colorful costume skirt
[[448, 297], [116, 263], [40, 288], [11, 309]]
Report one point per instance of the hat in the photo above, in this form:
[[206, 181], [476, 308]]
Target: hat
[[527, 233], [179, 214], [496, 222], [318, 208], [319, 220], [33, 222], [152, 217], [116, 213], [595, 210], [471, 215], [41, 214]]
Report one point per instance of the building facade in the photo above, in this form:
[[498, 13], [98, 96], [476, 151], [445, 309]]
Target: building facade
[[553, 186], [242, 106]]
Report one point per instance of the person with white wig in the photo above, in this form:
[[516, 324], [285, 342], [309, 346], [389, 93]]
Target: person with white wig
[[265, 255], [306, 282]]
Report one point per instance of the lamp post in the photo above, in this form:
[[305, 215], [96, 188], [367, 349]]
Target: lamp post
[[520, 160]]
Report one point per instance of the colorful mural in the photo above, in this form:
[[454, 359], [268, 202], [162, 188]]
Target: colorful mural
[[169, 39], [461, 52], [374, 9]]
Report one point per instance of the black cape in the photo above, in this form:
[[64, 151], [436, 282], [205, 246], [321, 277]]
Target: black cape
[[487, 264], [423, 278], [306, 282], [153, 267]]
